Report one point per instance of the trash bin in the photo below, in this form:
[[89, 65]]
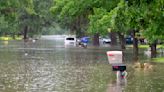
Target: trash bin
[[114, 57]]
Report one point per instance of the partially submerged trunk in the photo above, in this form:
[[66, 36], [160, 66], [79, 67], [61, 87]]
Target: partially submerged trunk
[[13, 36], [113, 38], [96, 40], [153, 49], [122, 40], [135, 45], [25, 32]]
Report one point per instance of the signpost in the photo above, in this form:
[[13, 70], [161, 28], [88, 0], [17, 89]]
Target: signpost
[[115, 59]]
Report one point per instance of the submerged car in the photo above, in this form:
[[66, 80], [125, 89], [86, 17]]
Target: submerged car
[[129, 40], [106, 40], [70, 40]]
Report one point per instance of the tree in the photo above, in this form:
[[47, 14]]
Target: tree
[[95, 25], [113, 21], [34, 15], [74, 14], [27, 15], [8, 16], [154, 16], [71, 14], [148, 18], [133, 16]]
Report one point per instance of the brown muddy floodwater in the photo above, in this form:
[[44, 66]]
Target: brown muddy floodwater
[[48, 66]]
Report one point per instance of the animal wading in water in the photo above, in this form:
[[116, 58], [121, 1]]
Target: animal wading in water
[[145, 66]]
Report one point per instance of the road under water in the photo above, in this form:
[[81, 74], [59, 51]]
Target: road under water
[[48, 66]]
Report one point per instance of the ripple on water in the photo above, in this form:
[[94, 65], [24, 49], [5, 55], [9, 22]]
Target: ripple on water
[[51, 68]]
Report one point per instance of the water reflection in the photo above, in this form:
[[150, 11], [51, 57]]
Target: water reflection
[[50, 67], [117, 86]]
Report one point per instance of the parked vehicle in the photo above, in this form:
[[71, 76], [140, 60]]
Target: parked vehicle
[[70, 40], [106, 40], [129, 40], [84, 41]]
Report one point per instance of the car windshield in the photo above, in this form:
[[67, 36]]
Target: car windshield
[[69, 38]]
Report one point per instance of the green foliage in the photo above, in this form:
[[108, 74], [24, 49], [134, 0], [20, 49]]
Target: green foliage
[[8, 17], [101, 20], [3, 24], [52, 30], [95, 15], [69, 13], [147, 16], [118, 17], [97, 25], [159, 60], [152, 20], [115, 19], [20, 13]]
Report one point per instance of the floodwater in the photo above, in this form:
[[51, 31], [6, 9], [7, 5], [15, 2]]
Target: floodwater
[[48, 66]]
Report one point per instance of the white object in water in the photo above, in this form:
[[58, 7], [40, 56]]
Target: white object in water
[[118, 74], [33, 40], [70, 40], [114, 57], [148, 52], [26, 54]]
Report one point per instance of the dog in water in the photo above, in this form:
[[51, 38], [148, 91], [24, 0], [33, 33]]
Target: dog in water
[[145, 66]]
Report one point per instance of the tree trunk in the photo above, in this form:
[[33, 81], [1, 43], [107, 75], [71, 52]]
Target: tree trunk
[[13, 35], [96, 40], [113, 38], [122, 40], [25, 32], [153, 49], [135, 45]]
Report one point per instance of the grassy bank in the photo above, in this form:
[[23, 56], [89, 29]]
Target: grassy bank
[[160, 60], [146, 46], [6, 38]]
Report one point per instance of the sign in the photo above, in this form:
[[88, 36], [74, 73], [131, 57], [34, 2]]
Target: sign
[[114, 57]]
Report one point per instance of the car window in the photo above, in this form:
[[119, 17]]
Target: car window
[[69, 38]]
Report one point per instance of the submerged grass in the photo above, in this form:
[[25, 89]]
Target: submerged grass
[[160, 60], [4, 38], [146, 46]]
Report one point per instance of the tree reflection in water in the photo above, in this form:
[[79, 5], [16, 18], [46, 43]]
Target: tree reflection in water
[[118, 85]]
